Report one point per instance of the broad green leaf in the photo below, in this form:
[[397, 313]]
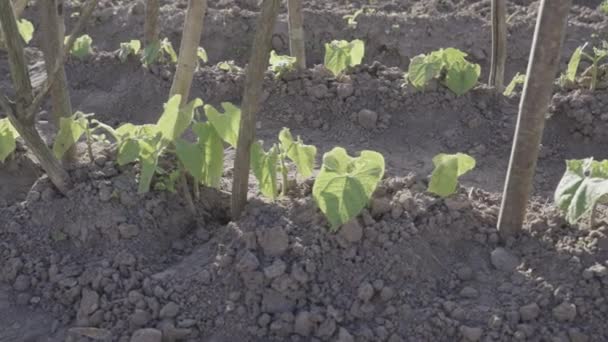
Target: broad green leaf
[[451, 56], [340, 54], [82, 46], [174, 121], [191, 156], [448, 167], [213, 151], [202, 54], [345, 184], [151, 53], [422, 69], [70, 130], [26, 30], [128, 152], [167, 47], [517, 79], [280, 64], [129, 49], [301, 155], [462, 76], [264, 166], [575, 60], [8, 134], [584, 184], [148, 159], [227, 124]]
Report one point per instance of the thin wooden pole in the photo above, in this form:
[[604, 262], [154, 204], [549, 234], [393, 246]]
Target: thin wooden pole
[[296, 32], [258, 63], [53, 31], [542, 69], [191, 38], [499, 44], [151, 30]]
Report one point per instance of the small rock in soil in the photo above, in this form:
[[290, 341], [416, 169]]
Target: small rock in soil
[[352, 231], [469, 292], [276, 269], [128, 230], [248, 262], [465, 273], [471, 334], [22, 283], [89, 302], [274, 302], [564, 312], [170, 310], [96, 334], [529, 312], [303, 323], [345, 336], [365, 292], [274, 241], [345, 90], [147, 335], [140, 318], [367, 118], [504, 260], [380, 206]]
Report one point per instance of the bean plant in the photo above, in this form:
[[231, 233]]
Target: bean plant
[[592, 74], [448, 168], [449, 66], [341, 54]]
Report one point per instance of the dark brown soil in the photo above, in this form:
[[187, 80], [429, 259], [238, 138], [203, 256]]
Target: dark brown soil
[[104, 262]]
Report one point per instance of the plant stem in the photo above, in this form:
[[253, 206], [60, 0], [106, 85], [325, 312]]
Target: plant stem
[[284, 175], [542, 68], [592, 216], [593, 75], [197, 190], [90, 145], [258, 63], [186, 190]]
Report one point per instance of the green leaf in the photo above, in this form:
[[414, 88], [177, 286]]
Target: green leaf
[[129, 49], [264, 166], [448, 167], [151, 53], [191, 156], [70, 130], [128, 152], [517, 79], [301, 155], [213, 151], [8, 134], [229, 66], [174, 121], [584, 184], [340, 54], [227, 124], [82, 46], [148, 160], [167, 47], [202, 54], [280, 64], [422, 69], [451, 56], [462, 76], [575, 60], [26, 30], [345, 184]]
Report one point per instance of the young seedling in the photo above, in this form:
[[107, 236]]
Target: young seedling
[[281, 64], [448, 66], [591, 73], [448, 168], [161, 51], [345, 184], [130, 48], [82, 46], [583, 186], [229, 66], [517, 80], [341, 54], [604, 7]]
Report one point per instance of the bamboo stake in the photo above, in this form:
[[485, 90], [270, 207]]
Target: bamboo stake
[[499, 44], [258, 63], [542, 68], [296, 33]]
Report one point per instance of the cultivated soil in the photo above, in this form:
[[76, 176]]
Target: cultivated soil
[[106, 264]]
